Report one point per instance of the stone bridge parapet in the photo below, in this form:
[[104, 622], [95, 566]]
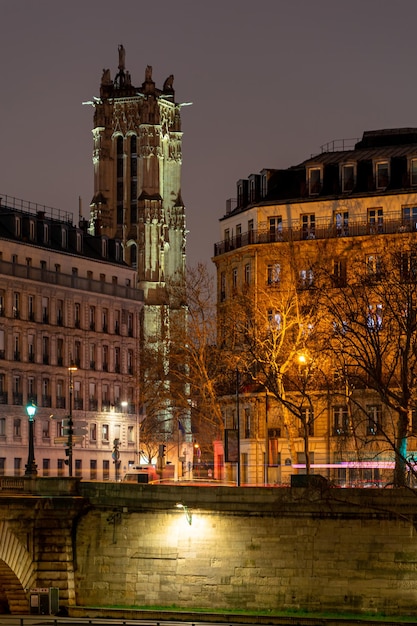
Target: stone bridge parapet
[[223, 548]]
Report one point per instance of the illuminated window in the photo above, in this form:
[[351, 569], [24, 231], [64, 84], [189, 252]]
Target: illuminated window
[[275, 228], [375, 220], [340, 420], [374, 317], [306, 279], [274, 274], [105, 432], [341, 221], [274, 319], [16, 305], [373, 266], [374, 413], [308, 226]]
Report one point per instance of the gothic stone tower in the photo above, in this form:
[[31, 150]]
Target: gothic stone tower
[[137, 191]]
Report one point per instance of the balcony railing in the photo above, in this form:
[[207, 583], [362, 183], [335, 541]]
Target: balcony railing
[[323, 229], [68, 280]]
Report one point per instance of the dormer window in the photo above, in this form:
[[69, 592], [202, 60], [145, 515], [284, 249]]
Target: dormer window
[[17, 226], [104, 248], [31, 230], [252, 191], [240, 194], [382, 174], [79, 242], [314, 181], [45, 233], [264, 186], [413, 172], [64, 238], [348, 177]]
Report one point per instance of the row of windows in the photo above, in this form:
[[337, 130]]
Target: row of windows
[[46, 233], [348, 173], [56, 394], [52, 429], [96, 357], [340, 421], [86, 317], [308, 225], [373, 265], [60, 470]]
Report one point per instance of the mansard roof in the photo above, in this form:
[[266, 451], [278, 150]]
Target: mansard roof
[[396, 147]]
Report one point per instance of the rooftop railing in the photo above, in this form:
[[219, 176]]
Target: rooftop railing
[[25, 206]]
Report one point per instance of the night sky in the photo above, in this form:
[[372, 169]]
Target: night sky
[[270, 81]]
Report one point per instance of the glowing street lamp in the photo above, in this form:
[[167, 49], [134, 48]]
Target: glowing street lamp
[[31, 467]]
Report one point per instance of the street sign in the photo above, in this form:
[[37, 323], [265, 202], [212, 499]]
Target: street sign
[[64, 440]]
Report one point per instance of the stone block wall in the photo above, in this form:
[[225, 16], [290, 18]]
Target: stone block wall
[[296, 552]]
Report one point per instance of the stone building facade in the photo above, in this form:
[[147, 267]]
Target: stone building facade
[[347, 203], [67, 299]]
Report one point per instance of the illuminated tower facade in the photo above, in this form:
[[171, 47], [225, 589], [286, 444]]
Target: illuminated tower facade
[[137, 191]]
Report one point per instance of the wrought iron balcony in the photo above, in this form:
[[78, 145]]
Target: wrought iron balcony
[[324, 228]]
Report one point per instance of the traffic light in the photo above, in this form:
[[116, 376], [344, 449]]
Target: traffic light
[[162, 449]]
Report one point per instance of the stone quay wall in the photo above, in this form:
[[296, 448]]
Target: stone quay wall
[[313, 549]]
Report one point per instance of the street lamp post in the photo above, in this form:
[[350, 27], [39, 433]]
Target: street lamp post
[[31, 467], [71, 370], [238, 425]]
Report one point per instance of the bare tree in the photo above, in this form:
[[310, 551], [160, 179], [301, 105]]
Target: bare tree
[[197, 364], [273, 338], [371, 336]]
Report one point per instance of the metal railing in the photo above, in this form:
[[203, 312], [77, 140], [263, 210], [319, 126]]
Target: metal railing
[[321, 230], [69, 280]]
